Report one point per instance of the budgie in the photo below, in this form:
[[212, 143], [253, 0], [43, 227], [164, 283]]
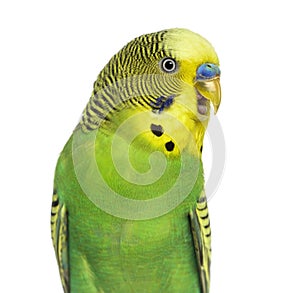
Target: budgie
[[129, 210]]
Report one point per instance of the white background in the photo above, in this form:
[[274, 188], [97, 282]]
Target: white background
[[50, 54]]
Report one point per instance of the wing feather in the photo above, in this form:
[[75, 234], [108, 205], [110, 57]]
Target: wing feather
[[59, 234], [200, 227]]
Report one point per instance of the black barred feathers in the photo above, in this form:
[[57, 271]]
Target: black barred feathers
[[132, 78], [200, 228], [59, 234]]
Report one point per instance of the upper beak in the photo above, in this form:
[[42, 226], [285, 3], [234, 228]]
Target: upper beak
[[208, 83]]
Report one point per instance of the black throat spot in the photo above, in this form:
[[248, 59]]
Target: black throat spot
[[157, 129]]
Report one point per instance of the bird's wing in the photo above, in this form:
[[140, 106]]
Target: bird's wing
[[200, 227], [59, 233]]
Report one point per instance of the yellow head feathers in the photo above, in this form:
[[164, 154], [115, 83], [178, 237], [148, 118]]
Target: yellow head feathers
[[159, 73]]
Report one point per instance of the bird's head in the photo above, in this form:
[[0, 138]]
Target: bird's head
[[175, 59], [154, 67], [169, 73], [192, 59]]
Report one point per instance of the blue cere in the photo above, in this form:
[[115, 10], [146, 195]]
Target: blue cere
[[207, 71]]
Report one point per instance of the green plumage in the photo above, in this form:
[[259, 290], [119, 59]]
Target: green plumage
[[97, 249]]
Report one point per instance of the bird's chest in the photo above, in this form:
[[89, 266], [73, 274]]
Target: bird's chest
[[144, 166]]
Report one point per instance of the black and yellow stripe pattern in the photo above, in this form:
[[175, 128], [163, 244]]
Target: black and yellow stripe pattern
[[59, 234], [200, 227], [132, 78]]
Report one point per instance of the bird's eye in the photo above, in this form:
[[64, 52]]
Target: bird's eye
[[168, 65]]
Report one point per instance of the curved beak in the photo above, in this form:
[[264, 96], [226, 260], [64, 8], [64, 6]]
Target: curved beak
[[211, 90], [207, 84]]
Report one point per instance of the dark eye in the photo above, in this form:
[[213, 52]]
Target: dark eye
[[168, 65]]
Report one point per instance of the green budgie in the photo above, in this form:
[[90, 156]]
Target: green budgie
[[129, 211]]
